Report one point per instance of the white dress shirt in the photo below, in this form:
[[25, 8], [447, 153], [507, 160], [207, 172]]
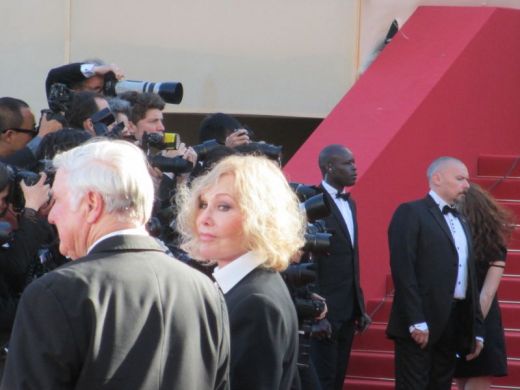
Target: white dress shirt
[[343, 207]]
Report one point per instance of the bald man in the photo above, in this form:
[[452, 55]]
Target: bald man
[[435, 312]]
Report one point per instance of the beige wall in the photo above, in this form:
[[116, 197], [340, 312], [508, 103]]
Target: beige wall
[[269, 57]]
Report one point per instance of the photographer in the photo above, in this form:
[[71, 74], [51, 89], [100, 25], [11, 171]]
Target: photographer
[[19, 137], [20, 247], [82, 76], [225, 129], [83, 105]]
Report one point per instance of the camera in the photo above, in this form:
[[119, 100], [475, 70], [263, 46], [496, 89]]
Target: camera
[[60, 97], [303, 192], [177, 164], [309, 309], [273, 152], [102, 120], [170, 91], [30, 178], [161, 141], [206, 148]]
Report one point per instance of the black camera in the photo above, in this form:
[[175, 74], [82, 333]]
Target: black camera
[[299, 275], [60, 97], [102, 120], [177, 164], [30, 178], [272, 152], [309, 309], [303, 191], [206, 148], [317, 238], [161, 141]]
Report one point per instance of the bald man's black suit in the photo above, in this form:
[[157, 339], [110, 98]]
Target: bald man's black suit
[[424, 263]]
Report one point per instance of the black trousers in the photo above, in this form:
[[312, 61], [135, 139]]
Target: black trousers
[[431, 368], [330, 357]]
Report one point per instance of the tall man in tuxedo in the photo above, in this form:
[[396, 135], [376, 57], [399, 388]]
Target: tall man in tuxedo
[[338, 269], [122, 314], [435, 312]]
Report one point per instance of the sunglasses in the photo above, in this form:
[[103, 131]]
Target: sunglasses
[[33, 132]]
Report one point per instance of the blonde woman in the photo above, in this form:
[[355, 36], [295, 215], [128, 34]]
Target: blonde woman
[[243, 216]]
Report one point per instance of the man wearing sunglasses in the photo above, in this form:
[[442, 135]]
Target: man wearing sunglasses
[[19, 137], [17, 126]]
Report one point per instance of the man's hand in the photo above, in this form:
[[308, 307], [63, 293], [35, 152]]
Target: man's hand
[[362, 323], [238, 137], [36, 195], [323, 314], [321, 330], [101, 70], [478, 348], [47, 126], [421, 337]]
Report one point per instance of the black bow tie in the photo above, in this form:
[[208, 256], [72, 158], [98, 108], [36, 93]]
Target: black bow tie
[[447, 209], [343, 195]]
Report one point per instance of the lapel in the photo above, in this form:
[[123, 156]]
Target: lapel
[[338, 216], [433, 208]]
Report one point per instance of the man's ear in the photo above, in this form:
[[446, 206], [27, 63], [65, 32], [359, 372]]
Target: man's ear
[[436, 178], [7, 135], [95, 206], [89, 126]]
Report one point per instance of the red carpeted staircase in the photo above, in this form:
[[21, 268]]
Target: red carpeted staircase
[[371, 363]]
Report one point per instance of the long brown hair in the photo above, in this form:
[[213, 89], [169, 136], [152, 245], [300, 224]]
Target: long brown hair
[[491, 223]]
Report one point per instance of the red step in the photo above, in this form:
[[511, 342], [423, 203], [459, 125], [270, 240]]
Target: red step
[[512, 380], [493, 165], [514, 240], [513, 262], [509, 288], [382, 384], [365, 364], [368, 384], [510, 315], [514, 206], [373, 339], [371, 364], [508, 189], [513, 344]]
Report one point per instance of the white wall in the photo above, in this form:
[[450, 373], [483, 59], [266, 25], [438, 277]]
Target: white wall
[[269, 57]]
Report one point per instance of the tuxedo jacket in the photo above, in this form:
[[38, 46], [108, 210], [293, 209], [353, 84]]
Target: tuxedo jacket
[[338, 278], [126, 316], [264, 332], [424, 263]]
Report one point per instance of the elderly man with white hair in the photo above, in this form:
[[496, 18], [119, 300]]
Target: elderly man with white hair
[[122, 314]]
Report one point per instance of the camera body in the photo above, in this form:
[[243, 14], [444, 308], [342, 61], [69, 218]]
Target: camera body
[[30, 178]]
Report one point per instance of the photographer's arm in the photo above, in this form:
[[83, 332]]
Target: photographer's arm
[[77, 72], [33, 231], [66, 74]]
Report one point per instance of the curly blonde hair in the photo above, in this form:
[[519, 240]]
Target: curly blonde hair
[[273, 226]]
